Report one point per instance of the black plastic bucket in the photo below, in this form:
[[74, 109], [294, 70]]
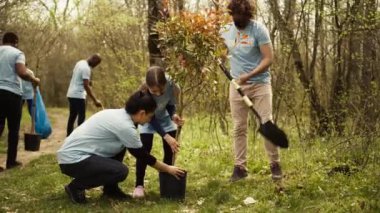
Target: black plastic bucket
[[32, 141], [171, 187]]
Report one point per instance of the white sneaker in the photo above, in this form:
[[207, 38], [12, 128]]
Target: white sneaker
[[139, 192]]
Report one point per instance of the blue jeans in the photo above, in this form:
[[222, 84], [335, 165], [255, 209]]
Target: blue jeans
[[29, 103]]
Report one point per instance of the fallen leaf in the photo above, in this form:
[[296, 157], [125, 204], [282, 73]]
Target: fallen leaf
[[235, 208], [249, 201], [201, 201]]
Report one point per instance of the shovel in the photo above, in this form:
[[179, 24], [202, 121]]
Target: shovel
[[32, 140], [269, 130]]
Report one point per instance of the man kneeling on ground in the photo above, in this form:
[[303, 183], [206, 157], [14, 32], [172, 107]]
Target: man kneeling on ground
[[94, 152]]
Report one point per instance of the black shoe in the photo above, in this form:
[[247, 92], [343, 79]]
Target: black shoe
[[1, 169], [13, 165], [238, 174], [276, 171], [76, 195], [115, 193]]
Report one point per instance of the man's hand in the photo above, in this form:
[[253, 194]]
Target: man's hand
[[98, 103], [243, 79], [174, 145], [178, 120], [35, 82]]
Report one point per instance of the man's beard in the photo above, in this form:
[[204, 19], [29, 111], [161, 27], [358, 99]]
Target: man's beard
[[241, 24]]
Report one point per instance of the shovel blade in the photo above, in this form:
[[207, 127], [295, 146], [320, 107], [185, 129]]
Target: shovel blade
[[274, 134]]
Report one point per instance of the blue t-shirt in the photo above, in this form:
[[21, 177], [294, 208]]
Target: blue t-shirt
[[105, 134], [161, 114], [81, 72], [27, 88], [244, 49], [9, 80]]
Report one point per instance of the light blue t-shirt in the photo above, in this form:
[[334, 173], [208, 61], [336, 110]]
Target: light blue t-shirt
[[105, 134], [161, 114], [244, 49], [81, 72], [27, 88], [9, 80]]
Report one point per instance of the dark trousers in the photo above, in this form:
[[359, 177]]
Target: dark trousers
[[96, 171], [77, 109], [2, 120], [10, 110], [29, 103], [147, 141]]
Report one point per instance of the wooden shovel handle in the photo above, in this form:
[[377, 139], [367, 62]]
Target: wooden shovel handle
[[246, 99], [34, 109]]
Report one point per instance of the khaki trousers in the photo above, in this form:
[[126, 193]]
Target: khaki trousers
[[261, 96]]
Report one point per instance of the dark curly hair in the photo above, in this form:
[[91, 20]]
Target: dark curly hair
[[243, 7], [10, 38]]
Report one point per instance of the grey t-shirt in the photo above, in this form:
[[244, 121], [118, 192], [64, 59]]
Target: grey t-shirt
[[161, 113], [81, 72], [105, 134], [244, 49], [27, 88], [9, 80]]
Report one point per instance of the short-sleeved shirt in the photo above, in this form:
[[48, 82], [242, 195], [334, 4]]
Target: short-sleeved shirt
[[105, 134], [244, 49], [27, 88], [9, 80], [161, 114], [82, 71]]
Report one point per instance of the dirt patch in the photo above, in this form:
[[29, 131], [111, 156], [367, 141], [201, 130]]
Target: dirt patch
[[49, 146]]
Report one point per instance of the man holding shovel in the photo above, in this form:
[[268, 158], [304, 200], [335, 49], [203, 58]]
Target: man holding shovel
[[250, 50], [79, 88], [12, 70]]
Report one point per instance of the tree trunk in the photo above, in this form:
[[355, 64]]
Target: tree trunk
[[368, 74], [338, 87], [156, 12], [180, 5], [317, 108], [354, 46]]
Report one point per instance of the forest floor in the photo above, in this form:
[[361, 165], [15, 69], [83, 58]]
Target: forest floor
[[312, 181]]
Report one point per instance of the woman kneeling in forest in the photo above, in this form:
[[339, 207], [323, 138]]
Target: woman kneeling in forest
[[94, 152]]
